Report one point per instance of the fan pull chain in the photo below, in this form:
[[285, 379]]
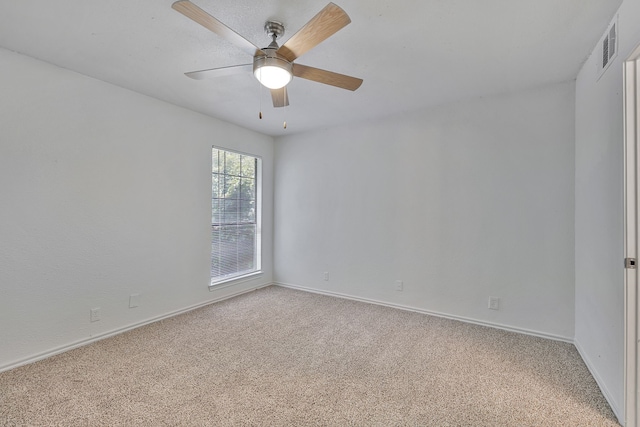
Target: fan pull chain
[[284, 108], [260, 95]]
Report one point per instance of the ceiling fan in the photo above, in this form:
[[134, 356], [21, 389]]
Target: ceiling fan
[[274, 65]]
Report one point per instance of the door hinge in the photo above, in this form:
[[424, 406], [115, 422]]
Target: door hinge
[[630, 263]]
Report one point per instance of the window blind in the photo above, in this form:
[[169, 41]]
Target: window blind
[[234, 230]]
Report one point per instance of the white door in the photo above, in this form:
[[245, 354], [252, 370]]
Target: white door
[[631, 184]]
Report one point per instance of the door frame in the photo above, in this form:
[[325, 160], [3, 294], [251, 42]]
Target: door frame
[[631, 96]]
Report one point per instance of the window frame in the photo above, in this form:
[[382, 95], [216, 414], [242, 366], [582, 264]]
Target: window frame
[[223, 281]]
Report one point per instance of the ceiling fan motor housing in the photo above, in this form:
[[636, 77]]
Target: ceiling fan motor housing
[[278, 67]]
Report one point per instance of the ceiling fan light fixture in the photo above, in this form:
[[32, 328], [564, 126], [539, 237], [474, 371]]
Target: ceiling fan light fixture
[[272, 72]]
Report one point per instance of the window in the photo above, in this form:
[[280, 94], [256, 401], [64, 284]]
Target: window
[[235, 215]]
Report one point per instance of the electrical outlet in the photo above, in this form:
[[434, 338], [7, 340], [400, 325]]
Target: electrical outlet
[[494, 303], [95, 314], [134, 300], [326, 276], [399, 285]]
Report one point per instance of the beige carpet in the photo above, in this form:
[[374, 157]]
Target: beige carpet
[[279, 357]]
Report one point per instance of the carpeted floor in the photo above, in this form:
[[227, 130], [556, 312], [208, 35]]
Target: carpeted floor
[[280, 357]]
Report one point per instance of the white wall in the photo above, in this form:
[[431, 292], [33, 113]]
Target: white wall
[[599, 212], [104, 193], [461, 202]]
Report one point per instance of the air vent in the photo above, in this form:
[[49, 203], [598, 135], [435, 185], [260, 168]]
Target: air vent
[[608, 47]]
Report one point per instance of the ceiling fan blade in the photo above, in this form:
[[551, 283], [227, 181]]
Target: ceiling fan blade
[[280, 97], [322, 26], [326, 77], [219, 72], [198, 15]]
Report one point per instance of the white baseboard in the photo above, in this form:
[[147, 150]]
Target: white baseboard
[[89, 340], [615, 407], [429, 312]]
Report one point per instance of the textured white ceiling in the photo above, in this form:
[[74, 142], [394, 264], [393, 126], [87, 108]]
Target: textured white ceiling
[[411, 54]]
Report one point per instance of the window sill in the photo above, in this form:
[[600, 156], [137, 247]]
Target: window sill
[[234, 281]]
